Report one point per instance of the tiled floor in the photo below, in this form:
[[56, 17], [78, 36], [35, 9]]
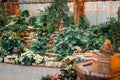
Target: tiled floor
[[18, 72]]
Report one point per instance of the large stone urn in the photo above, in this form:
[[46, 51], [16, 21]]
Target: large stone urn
[[107, 62]]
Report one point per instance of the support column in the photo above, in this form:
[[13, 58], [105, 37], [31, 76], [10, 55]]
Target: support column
[[119, 14], [78, 10]]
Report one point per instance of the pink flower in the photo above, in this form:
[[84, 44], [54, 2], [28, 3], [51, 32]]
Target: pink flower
[[55, 77]]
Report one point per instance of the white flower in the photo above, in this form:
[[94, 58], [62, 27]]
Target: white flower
[[69, 57], [38, 59], [15, 57], [33, 40], [30, 54], [46, 58], [21, 59]]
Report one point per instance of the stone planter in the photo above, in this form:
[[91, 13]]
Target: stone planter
[[51, 54], [22, 63], [41, 65], [1, 59], [58, 64], [18, 62], [49, 64], [28, 63], [8, 59], [55, 64], [106, 65]]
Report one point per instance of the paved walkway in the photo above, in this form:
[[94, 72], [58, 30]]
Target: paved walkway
[[18, 72]]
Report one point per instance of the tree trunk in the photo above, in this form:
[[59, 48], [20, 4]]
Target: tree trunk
[[78, 10]]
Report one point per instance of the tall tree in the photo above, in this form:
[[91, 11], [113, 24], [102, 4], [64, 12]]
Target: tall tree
[[58, 11]]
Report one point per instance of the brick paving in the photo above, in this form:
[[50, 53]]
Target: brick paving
[[19, 72]]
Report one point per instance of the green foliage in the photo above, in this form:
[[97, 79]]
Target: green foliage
[[28, 57], [68, 73], [66, 42], [12, 44], [40, 45], [21, 21], [25, 13], [58, 11], [32, 20], [74, 37], [0, 40], [3, 52], [111, 30], [83, 23], [17, 26], [46, 77], [24, 17], [96, 42], [39, 21], [43, 18], [10, 35], [3, 18], [50, 28]]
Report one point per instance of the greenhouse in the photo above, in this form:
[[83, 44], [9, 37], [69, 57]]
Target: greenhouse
[[59, 39]]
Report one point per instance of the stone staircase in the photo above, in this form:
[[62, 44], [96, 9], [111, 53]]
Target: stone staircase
[[28, 36]]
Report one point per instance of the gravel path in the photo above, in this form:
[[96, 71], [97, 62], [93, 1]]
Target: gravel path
[[18, 72]]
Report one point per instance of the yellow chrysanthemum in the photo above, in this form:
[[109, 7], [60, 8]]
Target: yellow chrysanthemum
[[25, 49], [14, 34]]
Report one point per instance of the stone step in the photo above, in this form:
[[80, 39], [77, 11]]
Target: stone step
[[51, 54]]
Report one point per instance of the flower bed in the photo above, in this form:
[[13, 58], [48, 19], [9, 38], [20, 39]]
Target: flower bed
[[30, 59]]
